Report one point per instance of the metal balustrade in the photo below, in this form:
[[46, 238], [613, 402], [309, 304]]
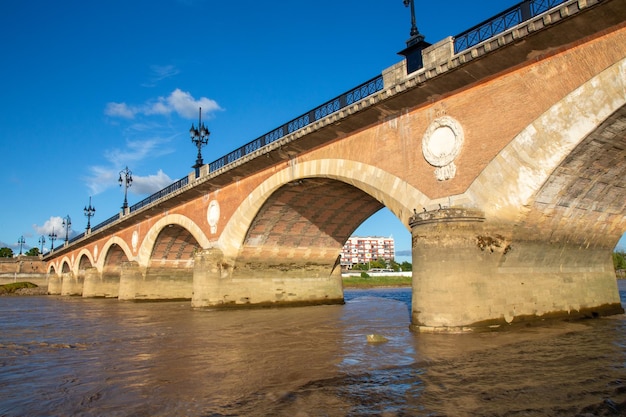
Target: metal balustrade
[[364, 90], [105, 223], [501, 22], [160, 194]]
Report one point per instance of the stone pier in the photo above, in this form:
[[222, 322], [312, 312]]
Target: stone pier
[[470, 274]]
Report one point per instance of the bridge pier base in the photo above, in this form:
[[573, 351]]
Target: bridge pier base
[[468, 276], [71, 285], [130, 279], [215, 284], [95, 285], [138, 283], [54, 284]]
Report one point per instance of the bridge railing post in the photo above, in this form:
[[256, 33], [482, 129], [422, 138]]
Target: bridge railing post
[[438, 53], [525, 10]]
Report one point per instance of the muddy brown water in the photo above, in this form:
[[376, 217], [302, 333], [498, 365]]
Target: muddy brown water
[[68, 356]]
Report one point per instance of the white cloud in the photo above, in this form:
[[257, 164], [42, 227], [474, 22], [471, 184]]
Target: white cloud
[[137, 150], [186, 106], [101, 178], [150, 184], [179, 102], [119, 110], [53, 224]]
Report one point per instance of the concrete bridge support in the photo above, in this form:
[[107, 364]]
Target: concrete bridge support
[[98, 284], [71, 285], [131, 278], [469, 273], [54, 285], [217, 283], [137, 283]]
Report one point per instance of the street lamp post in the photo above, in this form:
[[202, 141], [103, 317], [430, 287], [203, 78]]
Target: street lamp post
[[89, 212], [414, 31], [199, 137], [126, 179], [415, 44], [67, 222], [42, 241], [21, 242], [52, 237]]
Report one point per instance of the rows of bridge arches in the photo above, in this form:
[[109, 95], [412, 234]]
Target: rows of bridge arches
[[174, 246]]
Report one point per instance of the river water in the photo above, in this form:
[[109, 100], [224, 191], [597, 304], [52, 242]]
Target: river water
[[67, 356]]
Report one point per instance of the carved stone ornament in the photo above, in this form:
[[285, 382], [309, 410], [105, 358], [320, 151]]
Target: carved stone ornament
[[213, 215], [441, 145], [134, 241]]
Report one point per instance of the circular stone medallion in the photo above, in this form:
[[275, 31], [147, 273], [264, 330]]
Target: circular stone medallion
[[441, 144], [213, 215], [134, 240]]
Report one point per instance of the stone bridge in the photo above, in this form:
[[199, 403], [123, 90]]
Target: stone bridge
[[506, 160]]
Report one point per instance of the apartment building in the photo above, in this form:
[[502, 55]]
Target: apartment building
[[361, 250]]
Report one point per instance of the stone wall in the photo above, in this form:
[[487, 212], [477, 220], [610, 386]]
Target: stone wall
[[22, 264]]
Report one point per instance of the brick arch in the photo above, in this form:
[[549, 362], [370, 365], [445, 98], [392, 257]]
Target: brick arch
[[174, 244], [66, 265], [57, 266], [147, 245], [309, 218], [105, 251], [584, 199], [83, 254], [390, 191], [514, 177]]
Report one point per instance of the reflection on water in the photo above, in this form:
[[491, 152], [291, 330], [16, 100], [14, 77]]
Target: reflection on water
[[72, 356]]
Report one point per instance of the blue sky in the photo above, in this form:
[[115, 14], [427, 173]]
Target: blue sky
[[90, 87]]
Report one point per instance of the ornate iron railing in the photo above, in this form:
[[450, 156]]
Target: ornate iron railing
[[364, 90], [106, 222], [160, 194], [75, 238], [501, 22]]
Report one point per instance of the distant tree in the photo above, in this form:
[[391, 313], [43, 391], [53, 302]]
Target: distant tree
[[406, 266], [619, 259], [33, 252], [394, 265], [6, 253], [378, 263], [360, 267]]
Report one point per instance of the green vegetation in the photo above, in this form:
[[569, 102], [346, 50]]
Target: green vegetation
[[381, 263], [6, 252], [33, 252], [373, 282], [11, 288], [619, 260]]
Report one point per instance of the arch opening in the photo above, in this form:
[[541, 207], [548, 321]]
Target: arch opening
[[169, 270], [584, 199], [174, 246], [84, 263], [307, 221], [112, 266]]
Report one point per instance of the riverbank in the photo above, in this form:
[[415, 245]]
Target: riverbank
[[22, 288], [376, 282]]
